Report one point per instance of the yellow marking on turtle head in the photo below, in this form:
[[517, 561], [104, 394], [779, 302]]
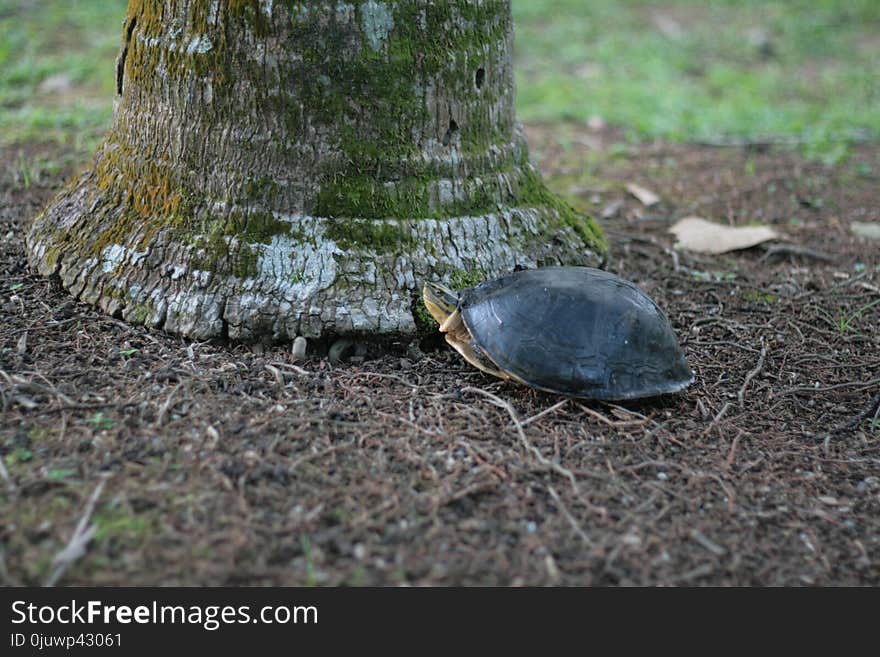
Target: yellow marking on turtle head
[[440, 301]]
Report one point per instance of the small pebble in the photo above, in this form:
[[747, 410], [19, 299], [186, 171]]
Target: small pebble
[[299, 348]]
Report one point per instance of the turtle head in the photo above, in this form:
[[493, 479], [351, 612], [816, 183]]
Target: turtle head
[[440, 301]]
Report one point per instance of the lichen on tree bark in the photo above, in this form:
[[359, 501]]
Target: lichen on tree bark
[[277, 169]]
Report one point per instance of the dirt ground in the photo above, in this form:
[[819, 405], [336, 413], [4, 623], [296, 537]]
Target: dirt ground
[[206, 464]]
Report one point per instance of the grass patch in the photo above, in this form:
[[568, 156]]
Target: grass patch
[[120, 523], [20, 455], [685, 71], [676, 70], [755, 296], [100, 421], [57, 70]]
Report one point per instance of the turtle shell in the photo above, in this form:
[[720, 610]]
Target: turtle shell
[[576, 331]]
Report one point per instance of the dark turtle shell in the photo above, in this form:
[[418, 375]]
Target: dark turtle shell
[[576, 331]]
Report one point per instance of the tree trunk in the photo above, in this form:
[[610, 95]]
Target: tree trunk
[[277, 169]]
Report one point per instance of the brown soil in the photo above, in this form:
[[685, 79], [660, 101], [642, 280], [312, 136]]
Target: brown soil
[[212, 464]]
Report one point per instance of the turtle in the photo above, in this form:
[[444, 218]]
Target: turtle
[[573, 331]]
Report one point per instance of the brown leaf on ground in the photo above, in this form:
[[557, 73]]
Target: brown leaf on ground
[[645, 196], [869, 231], [702, 236]]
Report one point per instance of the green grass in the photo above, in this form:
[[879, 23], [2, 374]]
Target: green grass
[[118, 522], [680, 70], [802, 69], [57, 69]]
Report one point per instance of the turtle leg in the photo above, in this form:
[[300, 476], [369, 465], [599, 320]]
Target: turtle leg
[[460, 339]]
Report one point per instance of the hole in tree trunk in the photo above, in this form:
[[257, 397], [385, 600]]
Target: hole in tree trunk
[[120, 63], [450, 134], [480, 77]]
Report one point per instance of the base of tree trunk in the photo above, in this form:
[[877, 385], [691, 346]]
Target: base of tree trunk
[[285, 169], [248, 274]]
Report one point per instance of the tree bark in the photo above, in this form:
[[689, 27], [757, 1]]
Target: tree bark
[[277, 169]]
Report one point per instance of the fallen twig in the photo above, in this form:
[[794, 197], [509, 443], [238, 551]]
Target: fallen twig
[[792, 249], [570, 518], [731, 454], [478, 487], [543, 460], [482, 460], [293, 368], [860, 385], [79, 541], [546, 411], [612, 423], [279, 378], [700, 538], [716, 419], [871, 411], [163, 411], [4, 473], [408, 423], [751, 375]]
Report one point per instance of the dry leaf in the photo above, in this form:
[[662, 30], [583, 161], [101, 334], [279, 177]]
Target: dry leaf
[[870, 231], [611, 209], [645, 196], [701, 236], [669, 27], [596, 123]]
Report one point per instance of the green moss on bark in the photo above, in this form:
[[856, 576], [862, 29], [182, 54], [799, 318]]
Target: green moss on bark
[[425, 323], [376, 93], [462, 280], [379, 236], [534, 193], [212, 253], [248, 227]]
